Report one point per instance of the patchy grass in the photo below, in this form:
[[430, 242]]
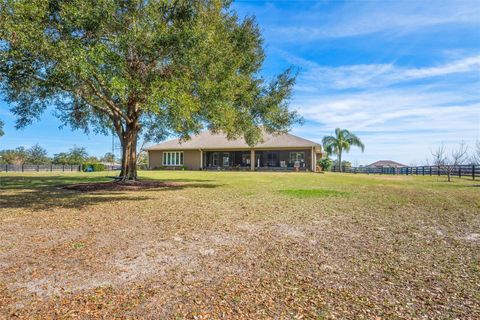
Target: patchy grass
[[239, 245], [313, 193]]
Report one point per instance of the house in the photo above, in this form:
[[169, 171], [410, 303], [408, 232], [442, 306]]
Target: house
[[385, 164], [208, 151]]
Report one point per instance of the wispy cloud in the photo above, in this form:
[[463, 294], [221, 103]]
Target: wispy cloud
[[359, 18], [377, 75], [383, 104]]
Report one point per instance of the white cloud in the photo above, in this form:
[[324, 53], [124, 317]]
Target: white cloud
[[366, 17], [395, 119], [376, 75]]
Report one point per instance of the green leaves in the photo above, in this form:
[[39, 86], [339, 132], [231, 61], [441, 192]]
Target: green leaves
[[342, 141], [177, 66]]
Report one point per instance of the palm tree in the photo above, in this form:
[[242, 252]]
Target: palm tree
[[342, 141]]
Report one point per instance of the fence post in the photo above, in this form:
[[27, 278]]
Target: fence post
[[460, 171], [6, 167], [430, 170], [473, 172], [423, 170], [438, 171]]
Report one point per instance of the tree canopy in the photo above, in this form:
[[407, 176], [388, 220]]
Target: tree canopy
[[37, 155], [154, 67]]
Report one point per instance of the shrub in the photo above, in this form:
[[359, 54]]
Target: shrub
[[325, 164], [89, 167]]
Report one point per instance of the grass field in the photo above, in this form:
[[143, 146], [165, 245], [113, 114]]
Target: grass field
[[240, 245]]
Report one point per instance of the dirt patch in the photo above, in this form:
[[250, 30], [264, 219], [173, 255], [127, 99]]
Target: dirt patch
[[121, 186]]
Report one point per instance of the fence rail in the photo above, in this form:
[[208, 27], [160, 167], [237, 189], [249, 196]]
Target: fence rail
[[48, 167], [40, 168], [467, 171]]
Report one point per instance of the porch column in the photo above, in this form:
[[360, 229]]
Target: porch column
[[201, 159], [314, 159], [252, 160]]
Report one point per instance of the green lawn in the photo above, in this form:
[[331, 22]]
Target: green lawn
[[240, 245]]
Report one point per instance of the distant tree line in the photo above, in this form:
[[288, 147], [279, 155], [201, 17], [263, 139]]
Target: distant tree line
[[39, 155]]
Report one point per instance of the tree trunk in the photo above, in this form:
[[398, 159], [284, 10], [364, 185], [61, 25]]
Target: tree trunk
[[340, 160], [129, 153]]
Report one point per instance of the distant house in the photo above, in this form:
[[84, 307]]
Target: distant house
[[386, 164], [208, 151]]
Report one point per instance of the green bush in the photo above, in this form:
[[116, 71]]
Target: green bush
[[325, 164], [91, 166]]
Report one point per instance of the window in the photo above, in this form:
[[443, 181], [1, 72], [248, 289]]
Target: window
[[226, 159], [272, 159], [245, 158], [215, 159], [297, 159], [297, 156], [173, 158]]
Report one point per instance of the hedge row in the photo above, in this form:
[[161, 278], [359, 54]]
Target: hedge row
[[90, 166]]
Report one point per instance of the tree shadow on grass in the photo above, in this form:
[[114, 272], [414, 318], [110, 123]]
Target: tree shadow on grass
[[33, 182], [43, 193]]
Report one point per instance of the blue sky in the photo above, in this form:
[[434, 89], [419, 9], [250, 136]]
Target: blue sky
[[403, 75]]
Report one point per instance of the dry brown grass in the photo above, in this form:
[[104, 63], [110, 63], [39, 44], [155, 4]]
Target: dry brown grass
[[210, 245]]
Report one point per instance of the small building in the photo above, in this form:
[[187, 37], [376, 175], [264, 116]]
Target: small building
[[385, 164], [208, 151]]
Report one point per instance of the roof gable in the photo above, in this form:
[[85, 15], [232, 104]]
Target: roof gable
[[386, 163], [208, 140]]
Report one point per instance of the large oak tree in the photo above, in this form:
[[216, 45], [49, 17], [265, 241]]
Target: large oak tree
[[150, 67]]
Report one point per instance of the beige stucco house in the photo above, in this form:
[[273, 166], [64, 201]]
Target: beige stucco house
[[208, 151]]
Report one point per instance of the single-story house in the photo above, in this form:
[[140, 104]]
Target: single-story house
[[386, 164], [208, 151]]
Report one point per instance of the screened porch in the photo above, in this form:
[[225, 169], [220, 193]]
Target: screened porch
[[263, 160]]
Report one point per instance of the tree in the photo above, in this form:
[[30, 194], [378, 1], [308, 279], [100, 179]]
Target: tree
[[37, 155], [342, 141], [91, 159], [345, 164], [475, 158], [142, 159], [77, 155], [449, 163], [108, 157], [17, 156], [140, 67], [61, 158], [1, 128]]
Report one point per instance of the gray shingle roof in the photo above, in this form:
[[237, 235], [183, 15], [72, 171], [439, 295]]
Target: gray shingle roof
[[386, 163], [207, 140]]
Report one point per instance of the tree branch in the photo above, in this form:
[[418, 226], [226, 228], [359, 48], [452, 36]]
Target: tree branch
[[110, 103]]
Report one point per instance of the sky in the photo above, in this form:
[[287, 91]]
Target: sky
[[404, 76]]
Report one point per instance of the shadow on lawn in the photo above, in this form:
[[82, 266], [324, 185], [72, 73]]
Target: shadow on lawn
[[43, 193], [32, 182]]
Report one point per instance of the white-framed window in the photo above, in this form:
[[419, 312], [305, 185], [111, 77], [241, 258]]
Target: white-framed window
[[173, 158], [297, 156]]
